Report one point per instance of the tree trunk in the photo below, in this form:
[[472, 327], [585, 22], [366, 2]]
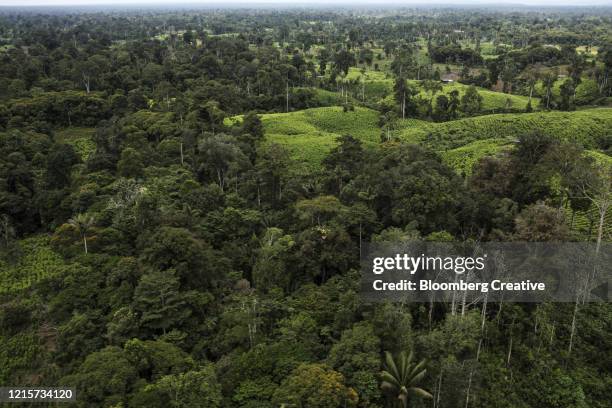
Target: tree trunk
[[287, 101], [603, 209], [437, 400], [530, 94], [509, 352], [573, 330]]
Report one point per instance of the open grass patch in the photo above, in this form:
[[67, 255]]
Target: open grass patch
[[34, 261], [81, 138], [585, 127], [462, 159], [310, 134], [491, 100]]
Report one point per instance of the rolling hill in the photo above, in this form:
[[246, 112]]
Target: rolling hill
[[584, 126], [310, 134], [376, 85]]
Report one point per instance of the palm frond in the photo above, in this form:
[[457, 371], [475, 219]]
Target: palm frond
[[417, 368], [390, 366], [420, 392]]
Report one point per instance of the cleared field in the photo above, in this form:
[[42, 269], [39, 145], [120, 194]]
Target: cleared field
[[373, 85], [491, 101], [584, 126], [310, 134], [80, 138], [36, 261], [462, 159], [329, 98], [585, 91]]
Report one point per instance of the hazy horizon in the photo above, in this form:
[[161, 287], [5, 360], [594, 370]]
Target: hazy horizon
[[540, 3]]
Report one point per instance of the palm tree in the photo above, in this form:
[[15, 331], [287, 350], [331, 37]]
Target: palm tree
[[402, 377], [82, 223]]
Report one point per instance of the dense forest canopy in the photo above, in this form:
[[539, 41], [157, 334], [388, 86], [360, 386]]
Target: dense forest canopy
[[185, 195]]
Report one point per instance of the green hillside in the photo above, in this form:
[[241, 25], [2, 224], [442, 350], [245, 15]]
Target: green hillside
[[376, 85], [462, 158], [310, 134], [491, 100], [584, 126]]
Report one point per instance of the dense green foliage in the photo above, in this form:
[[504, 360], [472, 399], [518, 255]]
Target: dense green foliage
[[185, 195]]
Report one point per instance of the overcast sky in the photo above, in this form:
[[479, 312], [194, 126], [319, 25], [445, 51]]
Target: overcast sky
[[300, 2]]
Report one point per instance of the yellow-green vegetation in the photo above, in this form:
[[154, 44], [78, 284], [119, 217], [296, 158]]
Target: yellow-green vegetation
[[586, 222], [586, 90], [17, 353], [310, 134], [80, 138], [491, 101], [584, 126], [374, 85], [589, 50], [33, 261], [462, 159], [600, 158], [329, 98], [368, 75]]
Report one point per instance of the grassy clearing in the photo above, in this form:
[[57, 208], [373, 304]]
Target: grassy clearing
[[310, 134], [462, 159], [585, 91], [36, 261], [17, 354], [491, 101], [584, 126], [330, 98], [378, 85], [81, 138], [374, 85]]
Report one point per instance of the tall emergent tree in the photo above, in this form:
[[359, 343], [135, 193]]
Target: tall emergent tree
[[400, 377], [82, 223]]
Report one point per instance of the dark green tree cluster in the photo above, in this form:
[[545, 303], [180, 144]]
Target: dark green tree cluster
[[183, 259]]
